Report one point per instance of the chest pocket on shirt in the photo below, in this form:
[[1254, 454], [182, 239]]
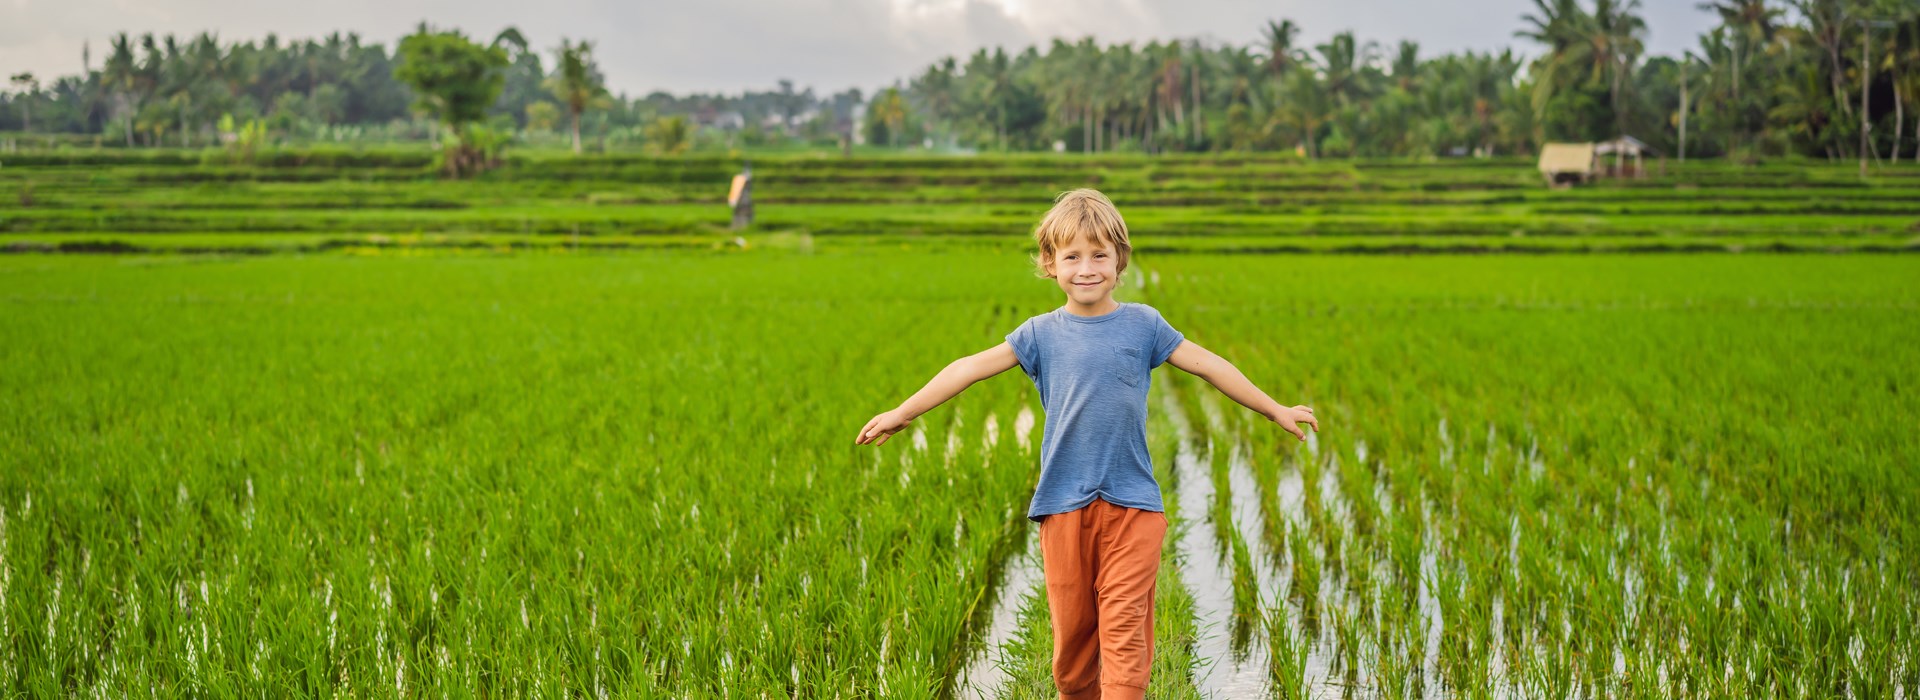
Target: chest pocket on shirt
[[1126, 364]]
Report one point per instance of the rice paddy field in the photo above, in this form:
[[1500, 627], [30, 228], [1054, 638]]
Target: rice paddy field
[[330, 428], [175, 201]]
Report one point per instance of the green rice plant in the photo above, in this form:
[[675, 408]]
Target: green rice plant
[[457, 471], [1287, 655]]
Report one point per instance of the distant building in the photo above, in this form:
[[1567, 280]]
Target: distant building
[[727, 121], [1565, 164], [1621, 149]]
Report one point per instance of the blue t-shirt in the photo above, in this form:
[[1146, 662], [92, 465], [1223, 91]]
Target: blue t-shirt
[[1093, 373]]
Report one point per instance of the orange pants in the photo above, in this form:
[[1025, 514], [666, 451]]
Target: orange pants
[[1101, 564]]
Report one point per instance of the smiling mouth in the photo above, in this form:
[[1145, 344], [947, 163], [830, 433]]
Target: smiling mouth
[[1086, 284]]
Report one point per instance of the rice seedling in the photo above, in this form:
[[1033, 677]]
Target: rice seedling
[[426, 466]]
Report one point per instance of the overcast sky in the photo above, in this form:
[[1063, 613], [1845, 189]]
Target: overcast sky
[[731, 45]]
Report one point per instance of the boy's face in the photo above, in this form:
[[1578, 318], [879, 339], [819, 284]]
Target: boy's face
[[1087, 270]]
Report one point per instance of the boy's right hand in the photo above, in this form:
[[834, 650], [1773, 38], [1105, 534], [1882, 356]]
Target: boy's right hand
[[882, 426]]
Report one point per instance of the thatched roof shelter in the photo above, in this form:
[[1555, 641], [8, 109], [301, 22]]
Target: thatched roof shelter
[[1567, 163], [1564, 164]]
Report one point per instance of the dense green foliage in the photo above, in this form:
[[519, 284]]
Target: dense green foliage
[[1763, 82], [155, 91], [454, 80], [1822, 78], [1648, 476]]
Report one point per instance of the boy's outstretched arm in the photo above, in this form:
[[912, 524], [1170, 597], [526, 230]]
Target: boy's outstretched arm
[[958, 375], [1200, 362]]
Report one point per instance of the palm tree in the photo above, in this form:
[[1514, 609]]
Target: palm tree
[[1345, 75], [26, 87], [937, 87], [1620, 29], [511, 38], [1602, 46], [1169, 82], [1826, 20], [120, 76], [147, 79], [1241, 75], [891, 109], [995, 88], [1901, 62], [1751, 19], [1342, 59], [1136, 71], [1058, 87], [1406, 66], [1090, 67], [576, 82], [1804, 108], [1281, 55], [670, 135], [1198, 59], [1305, 109]]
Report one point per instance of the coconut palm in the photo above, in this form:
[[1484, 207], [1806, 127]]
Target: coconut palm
[[1281, 56], [938, 86], [25, 87], [1342, 61], [1591, 48], [1406, 67], [576, 82], [1305, 108], [121, 77], [891, 109], [1825, 32], [1753, 21], [1619, 31], [1240, 75]]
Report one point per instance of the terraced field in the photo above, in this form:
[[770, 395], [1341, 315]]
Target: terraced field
[[633, 475], [557, 431], [173, 201]]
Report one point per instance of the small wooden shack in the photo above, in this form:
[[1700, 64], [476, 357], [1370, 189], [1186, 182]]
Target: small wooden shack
[[1565, 164], [1621, 149]]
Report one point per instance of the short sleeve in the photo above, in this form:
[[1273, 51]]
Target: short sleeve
[[1165, 339], [1026, 348]]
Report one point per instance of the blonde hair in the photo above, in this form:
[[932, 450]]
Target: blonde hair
[[1082, 212]]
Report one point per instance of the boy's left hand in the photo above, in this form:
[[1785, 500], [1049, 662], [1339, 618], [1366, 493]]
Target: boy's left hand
[[1291, 418]]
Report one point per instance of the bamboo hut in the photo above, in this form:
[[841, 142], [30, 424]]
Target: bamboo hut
[[1565, 164]]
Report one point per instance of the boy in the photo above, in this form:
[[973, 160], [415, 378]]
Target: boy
[[1101, 521]]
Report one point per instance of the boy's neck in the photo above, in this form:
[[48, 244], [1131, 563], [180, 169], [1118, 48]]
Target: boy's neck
[[1099, 308]]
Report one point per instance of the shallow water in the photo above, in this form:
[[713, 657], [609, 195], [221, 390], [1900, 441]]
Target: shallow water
[[1224, 671], [985, 673]]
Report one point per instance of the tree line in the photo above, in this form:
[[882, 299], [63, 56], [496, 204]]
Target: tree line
[[1823, 78], [164, 91]]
